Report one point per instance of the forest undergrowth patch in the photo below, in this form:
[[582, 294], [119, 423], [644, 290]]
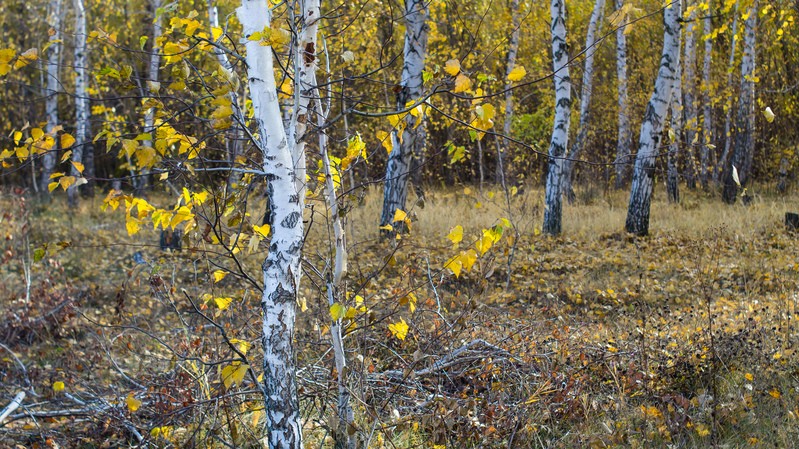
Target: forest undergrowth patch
[[686, 338]]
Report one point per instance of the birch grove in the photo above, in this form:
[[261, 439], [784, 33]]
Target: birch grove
[[553, 206], [706, 135], [650, 139]]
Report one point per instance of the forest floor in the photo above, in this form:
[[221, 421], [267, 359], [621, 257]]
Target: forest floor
[[685, 338]]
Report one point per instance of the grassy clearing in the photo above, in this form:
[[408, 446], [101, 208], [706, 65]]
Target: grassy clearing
[[686, 338]]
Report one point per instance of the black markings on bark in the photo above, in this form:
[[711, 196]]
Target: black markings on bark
[[291, 220]]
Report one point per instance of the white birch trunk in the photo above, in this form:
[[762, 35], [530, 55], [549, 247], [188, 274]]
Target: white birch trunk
[[411, 144], [594, 26], [676, 126], [334, 294], [513, 50], [53, 85], [744, 133], [649, 142], [141, 183], [706, 137], [722, 164], [282, 266], [81, 98], [560, 132], [691, 120], [623, 141]]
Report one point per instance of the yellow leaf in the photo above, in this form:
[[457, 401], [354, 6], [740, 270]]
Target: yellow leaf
[[453, 67], [387, 227], [462, 83], [219, 275], [164, 176], [456, 234], [517, 73], [262, 231], [6, 55], [455, 265], [467, 259], [132, 225], [78, 166], [67, 181], [58, 386], [774, 393], [749, 377], [222, 302], [37, 133], [26, 58], [242, 345], [132, 403], [67, 140], [216, 33], [399, 329], [66, 155], [234, 373], [768, 114], [385, 140], [52, 186], [400, 215], [337, 311], [17, 137]]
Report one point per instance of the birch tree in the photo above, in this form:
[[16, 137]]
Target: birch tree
[[676, 137], [513, 50], [51, 91], [728, 104], [81, 102], [594, 26], [281, 269], [744, 133], [623, 140], [411, 141], [706, 137], [649, 141], [553, 208], [140, 183], [690, 118]]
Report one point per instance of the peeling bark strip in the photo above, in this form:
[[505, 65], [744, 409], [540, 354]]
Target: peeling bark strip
[[744, 134], [81, 98], [594, 25], [282, 267], [652, 126], [51, 91], [411, 144], [623, 143], [560, 133]]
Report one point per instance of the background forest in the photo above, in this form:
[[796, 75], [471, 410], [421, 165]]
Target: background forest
[[419, 223]]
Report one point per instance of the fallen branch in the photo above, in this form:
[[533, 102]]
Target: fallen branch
[[15, 403], [470, 352]]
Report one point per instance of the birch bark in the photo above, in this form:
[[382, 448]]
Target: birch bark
[[706, 137], [624, 138], [691, 120], [141, 182], [53, 83], [560, 133], [81, 99], [281, 268], [744, 133], [594, 26], [728, 104], [513, 50], [649, 141], [677, 128], [411, 143]]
